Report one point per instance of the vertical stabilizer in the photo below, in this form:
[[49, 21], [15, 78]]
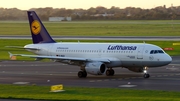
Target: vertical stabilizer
[[38, 31]]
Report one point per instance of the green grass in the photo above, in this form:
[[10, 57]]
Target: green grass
[[85, 94], [89, 28], [99, 28], [13, 42]]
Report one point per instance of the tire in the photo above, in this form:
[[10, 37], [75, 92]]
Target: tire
[[80, 74], [84, 74], [108, 72], [112, 72], [146, 75]]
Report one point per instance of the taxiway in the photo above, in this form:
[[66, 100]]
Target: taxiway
[[52, 73]]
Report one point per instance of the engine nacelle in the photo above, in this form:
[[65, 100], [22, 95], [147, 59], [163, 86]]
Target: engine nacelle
[[95, 68], [135, 69]]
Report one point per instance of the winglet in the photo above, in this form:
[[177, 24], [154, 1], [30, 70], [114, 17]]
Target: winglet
[[12, 56], [38, 31]]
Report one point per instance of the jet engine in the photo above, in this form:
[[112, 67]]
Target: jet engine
[[135, 69], [95, 68]]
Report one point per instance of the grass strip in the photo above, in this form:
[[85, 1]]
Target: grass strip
[[99, 28], [85, 94]]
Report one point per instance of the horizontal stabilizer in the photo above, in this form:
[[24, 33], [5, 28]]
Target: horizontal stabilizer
[[19, 47]]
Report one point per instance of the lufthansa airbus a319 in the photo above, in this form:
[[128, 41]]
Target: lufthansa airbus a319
[[93, 58]]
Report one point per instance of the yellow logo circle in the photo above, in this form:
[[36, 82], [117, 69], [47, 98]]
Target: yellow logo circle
[[35, 27]]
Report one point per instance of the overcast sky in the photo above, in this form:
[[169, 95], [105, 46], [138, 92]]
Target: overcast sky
[[85, 4]]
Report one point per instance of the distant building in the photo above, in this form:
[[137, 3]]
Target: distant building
[[68, 18], [60, 18], [104, 15]]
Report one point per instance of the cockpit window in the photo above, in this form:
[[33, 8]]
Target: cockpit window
[[152, 52], [160, 51], [156, 51]]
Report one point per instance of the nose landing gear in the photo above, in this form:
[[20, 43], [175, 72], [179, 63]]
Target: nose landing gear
[[146, 75]]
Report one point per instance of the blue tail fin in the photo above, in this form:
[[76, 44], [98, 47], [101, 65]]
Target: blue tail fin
[[38, 31]]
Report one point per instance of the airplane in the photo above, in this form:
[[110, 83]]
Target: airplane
[[93, 58]]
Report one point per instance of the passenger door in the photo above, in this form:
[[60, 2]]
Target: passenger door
[[140, 52]]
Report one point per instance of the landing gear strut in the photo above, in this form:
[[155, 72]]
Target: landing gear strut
[[146, 75], [82, 74], [110, 72]]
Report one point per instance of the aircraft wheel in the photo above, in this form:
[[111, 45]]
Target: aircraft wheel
[[112, 72], [108, 72], [146, 75], [82, 74]]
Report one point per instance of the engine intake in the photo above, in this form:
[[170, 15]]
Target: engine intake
[[95, 68]]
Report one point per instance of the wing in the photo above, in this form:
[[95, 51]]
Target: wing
[[62, 58]]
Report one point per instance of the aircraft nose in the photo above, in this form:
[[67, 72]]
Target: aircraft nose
[[168, 59]]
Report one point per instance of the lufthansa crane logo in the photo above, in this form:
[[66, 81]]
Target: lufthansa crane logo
[[35, 27]]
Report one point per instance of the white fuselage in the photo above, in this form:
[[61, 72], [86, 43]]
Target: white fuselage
[[120, 54]]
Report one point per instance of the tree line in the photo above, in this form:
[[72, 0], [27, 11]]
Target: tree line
[[97, 13]]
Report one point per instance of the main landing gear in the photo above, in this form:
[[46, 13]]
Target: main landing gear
[[109, 72], [146, 75], [82, 74]]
